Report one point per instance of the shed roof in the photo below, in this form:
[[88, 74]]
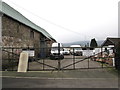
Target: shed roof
[[11, 12], [111, 41]]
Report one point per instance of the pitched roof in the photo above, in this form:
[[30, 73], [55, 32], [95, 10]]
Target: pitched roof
[[11, 12], [111, 41]]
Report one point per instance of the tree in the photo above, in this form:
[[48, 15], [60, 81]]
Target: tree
[[93, 43]]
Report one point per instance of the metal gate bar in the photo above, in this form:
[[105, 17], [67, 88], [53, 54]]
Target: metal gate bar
[[74, 63], [12, 55], [80, 61], [46, 65]]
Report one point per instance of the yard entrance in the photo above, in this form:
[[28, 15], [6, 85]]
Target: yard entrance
[[68, 63], [74, 59]]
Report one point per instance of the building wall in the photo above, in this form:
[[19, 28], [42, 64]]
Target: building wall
[[16, 34]]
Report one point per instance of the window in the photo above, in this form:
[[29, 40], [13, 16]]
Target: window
[[18, 27], [31, 34]]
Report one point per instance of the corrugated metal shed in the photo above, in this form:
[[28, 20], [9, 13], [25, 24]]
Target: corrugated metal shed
[[11, 12]]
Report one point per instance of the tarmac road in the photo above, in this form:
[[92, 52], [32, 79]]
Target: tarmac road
[[29, 82], [86, 78]]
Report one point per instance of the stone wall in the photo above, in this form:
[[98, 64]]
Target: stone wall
[[16, 34]]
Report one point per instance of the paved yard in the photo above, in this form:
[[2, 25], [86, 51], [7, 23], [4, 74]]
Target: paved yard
[[33, 66], [66, 61]]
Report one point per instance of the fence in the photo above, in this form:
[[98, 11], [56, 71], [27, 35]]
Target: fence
[[65, 58]]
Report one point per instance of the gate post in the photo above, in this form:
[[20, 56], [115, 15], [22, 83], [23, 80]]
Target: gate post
[[102, 57], [73, 59], [23, 62], [43, 64], [28, 66], [88, 56], [88, 62], [117, 56], [59, 64]]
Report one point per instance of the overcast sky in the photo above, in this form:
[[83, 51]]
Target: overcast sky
[[72, 20]]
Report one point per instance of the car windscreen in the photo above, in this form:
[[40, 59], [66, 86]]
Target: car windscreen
[[56, 48], [77, 48]]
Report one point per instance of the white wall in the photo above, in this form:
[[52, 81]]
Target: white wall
[[88, 52], [91, 52]]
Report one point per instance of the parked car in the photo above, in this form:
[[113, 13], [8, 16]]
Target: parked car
[[66, 51], [57, 51], [76, 50]]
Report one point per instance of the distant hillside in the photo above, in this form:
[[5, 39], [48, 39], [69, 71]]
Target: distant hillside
[[82, 43]]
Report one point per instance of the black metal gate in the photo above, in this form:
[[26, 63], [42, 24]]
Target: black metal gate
[[71, 61]]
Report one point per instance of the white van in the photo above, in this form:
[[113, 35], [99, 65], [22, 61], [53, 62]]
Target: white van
[[57, 51], [77, 50]]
